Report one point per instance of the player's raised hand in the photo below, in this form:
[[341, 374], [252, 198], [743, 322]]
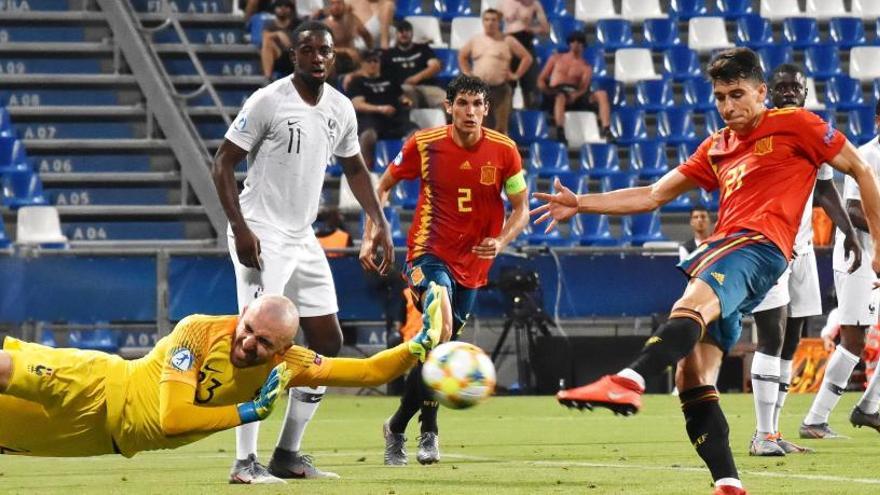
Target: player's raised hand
[[247, 248], [262, 405], [382, 239], [560, 206], [851, 247], [488, 248]]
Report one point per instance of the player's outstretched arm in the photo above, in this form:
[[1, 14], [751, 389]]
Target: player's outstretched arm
[[850, 162], [359, 180], [564, 204], [828, 198], [371, 237]]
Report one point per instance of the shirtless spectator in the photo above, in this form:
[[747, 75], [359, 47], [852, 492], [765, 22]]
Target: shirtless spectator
[[376, 16], [524, 20], [413, 67], [491, 53], [346, 27], [276, 39], [565, 82]]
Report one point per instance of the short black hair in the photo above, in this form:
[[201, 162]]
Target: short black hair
[[403, 25], [699, 207], [492, 11], [734, 64], [576, 36], [466, 84], [309, 26], [792, 69]]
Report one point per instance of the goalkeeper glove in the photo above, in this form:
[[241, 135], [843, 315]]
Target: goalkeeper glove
[[260, 408], [432, 322]]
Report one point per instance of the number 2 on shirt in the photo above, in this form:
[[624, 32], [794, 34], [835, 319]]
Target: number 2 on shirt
[[464, 200]]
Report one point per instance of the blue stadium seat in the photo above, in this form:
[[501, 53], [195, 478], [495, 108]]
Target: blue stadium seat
[[685, 9], [828, 115], [656, 95], [642, 228], [595, 56], [561, 27], [676, 125], [555, 8], [570, 179], [616, 90], [710, 199], [143, 196], [774, 55], [549, 157], [754, 32], [447, 10], [614, 33], [104, 340], [649, 158], [535, 236], [12, 155], [699, 94], [44, 33], [628, 125], [449, 60], [861, 126], [406, 194], [800, 32], [661, 34], [847, 32], [334, 168], [844, 93], [681, 204], [398, 237], [528, 126], [543, 52], [599, 159], [5, 121], [22, 188], [875, 89], [386, 152], [822, 61], [4, 239], [731, 9], [684, 150], [532, 186], [47, 337], [681, 63], [592, 230], [255, 25], [713, 120], [404, 8], [620, 180]]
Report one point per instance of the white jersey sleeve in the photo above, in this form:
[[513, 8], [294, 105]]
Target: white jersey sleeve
[[348, 144], [253, 121], [870, 153], [825, 172]]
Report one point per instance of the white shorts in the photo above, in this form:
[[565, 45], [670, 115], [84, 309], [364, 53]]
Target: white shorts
[[297, 269], [778, 295], [803, 286], [856, 299]]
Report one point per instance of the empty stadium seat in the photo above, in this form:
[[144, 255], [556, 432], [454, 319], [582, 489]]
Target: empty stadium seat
[[556, 8], [406, 193], [594, 10], [777, 10], [640, 10], [104, 340], [570, 179], [39, 225], [426, 29], [592, 230], [561, 27], [866, 9], [699, 94], [427, 117], [812, 102], [773, 56], [844, 93], [535, 236], [847, 32], [386, 152], [681, 63], [628, 125], [800, 32], [642, 228], [405, 8], [864, 63], [653, 96], [684, 150], [714, 121], [549, 157], [614, 33], [600, 159], [449, 61], [256, 24], [862, 126], [706, 34], [649, 158], [581, 128], [828, 115], [615, 90], [876, 89], [448, 10], [822, 61], [825, 9], [754, 32], [5, 121], [614, 182], [661, 34], [22, 188], [686, 9], [676, 125], [595, 56], [528, 126], [634, 64], [733, 8], [5, 242], [463, 29], [12, 155]]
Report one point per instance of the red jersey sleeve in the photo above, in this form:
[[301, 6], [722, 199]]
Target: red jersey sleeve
[[514, 164], [698, 167], [407, 164], [818, 140]]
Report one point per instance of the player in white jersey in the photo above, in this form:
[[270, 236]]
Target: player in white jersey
[[288, 132], [857, 302], [780, 317]]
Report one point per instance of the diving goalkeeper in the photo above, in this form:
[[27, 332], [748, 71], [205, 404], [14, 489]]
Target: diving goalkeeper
[[198, 380]]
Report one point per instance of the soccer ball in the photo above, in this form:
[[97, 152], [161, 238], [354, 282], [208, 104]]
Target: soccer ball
[[459, 374]]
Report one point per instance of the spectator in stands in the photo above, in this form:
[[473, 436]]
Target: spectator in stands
[[413, 67], [565, 82], [491, 53], [525, 19], [377, 16], [701, 225], [276, 40], [252, 7], [330, 231], [382, 108], [346, 27]]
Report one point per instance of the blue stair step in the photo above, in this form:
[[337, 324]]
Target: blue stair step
[[229, 97], [226, 67], [208, 36], [190, 6], [79, 196], [42, 33], [71, 97], [101, 231], [212, 130], [27, 5], [74, 65], [90, 163], [75, 130]]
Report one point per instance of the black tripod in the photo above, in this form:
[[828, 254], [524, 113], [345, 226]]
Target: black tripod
[[526, 318]]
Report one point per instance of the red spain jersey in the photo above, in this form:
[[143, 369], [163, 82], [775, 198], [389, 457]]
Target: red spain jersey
[[459, 201], [765, 176]]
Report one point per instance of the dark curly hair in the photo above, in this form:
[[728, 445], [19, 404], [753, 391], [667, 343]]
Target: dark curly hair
[[466, 84], [735, 64]]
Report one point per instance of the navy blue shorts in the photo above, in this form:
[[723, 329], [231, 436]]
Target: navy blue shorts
[[429, 268], [740, 268]]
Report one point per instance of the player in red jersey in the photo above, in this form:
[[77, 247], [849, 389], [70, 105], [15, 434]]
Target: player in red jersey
[[765, 164], [458, 229]]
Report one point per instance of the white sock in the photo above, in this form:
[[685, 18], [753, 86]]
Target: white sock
[[246, 440], [301, 406], [633, 375], [837, 373], [729, 482], [784, 383], [765, 387], [870, 401]]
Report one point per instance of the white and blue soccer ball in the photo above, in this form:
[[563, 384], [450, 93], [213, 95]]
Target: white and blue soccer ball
[[459, 374]]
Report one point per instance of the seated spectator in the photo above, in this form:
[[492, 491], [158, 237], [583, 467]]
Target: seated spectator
[[274, 56], [382, 108], [524, 20], [252, 7], [376, 15], [565, 82], [330, 231], [491, 53], [413, 67], [346, 27]]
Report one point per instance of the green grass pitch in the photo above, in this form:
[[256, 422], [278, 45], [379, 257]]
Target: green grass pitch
[[521, 445]]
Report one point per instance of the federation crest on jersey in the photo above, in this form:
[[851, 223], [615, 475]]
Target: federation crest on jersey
[[763, 146], [241, 121], [829, 134], [182, 359], [487, 175], [398, 159]]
